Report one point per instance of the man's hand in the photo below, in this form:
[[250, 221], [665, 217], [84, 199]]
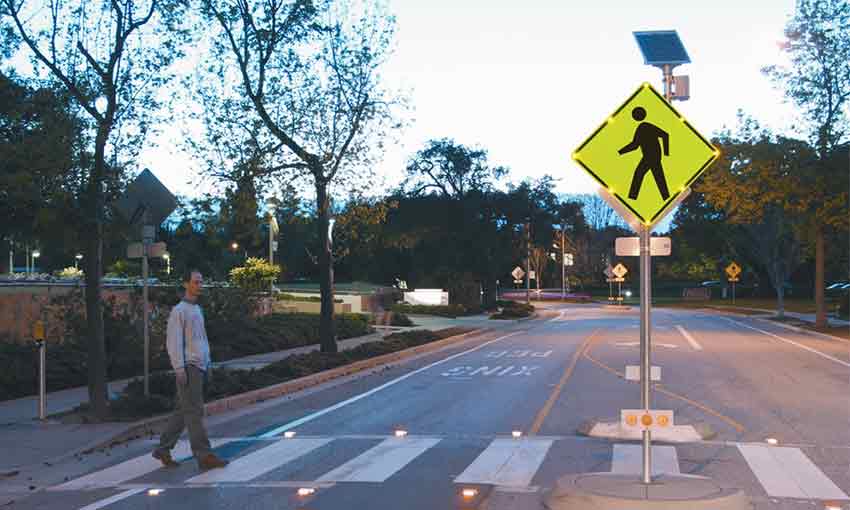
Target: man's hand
[[180, 376]]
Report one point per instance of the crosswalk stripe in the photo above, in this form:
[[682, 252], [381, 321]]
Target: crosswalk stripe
[[261, 461], [787, 473], [380, 462], [507, 462], [97, 505], [628, 459], [129, 469]]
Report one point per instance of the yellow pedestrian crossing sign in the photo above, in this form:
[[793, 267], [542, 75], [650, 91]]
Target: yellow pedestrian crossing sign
[[645, 154], [733, 270]]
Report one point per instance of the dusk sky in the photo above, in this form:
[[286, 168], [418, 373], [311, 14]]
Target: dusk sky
[[529, 81]]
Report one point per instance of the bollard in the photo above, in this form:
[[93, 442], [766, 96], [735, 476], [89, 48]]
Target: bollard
[[38, 336]]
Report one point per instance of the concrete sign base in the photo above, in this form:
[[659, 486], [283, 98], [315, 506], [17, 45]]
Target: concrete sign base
[[609, 491]]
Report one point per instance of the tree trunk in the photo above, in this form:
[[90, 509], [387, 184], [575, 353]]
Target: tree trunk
[[820, 304], [94, 267], [327, 327]]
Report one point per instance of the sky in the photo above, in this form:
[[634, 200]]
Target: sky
[[529, 81]]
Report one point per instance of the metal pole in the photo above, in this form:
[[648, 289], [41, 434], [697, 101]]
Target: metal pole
[[145, 314], [733, 293], [563, 267], [42, 379], [645, 328], [11, 257], [668, 82], [271, 253], [528, 263], [147, 239]]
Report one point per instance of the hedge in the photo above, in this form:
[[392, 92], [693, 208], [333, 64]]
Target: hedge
[[132, 404], [450, 311], [232, 330]]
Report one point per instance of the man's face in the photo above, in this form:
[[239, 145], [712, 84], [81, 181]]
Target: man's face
[[194, 285]]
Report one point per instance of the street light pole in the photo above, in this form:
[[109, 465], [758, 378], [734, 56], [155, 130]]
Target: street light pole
[[563, 267], [528, 263]]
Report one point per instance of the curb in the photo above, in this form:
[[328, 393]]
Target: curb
[[802, 330], [676, 434], [151, 426]]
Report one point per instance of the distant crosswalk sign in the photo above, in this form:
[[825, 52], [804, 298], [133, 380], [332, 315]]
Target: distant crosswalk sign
[[645, 154]]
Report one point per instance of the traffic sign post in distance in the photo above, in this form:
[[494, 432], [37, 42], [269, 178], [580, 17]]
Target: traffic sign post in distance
[[732, 271], [645, 154]]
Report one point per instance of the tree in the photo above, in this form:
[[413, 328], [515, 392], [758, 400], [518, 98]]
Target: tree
[[310, 72], [101, 52], [756, 182], [39, 178], [451, 170], [818, 81]]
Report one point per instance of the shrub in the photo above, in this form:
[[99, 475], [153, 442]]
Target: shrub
[[514, 310], [70, 273], [400, 319], [450, 311], [256, 275]]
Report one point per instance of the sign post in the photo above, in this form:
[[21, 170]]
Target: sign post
[[733, 270], [39, 336], [645, 135], [149, 202]]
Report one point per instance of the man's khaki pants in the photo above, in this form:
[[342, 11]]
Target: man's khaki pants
[[189, 413]]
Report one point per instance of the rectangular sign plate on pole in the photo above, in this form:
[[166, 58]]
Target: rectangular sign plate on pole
[[630, 246], [633, 373]]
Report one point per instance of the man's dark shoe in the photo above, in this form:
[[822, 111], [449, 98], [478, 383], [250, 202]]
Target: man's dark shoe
[[165, 458], [211, 461]]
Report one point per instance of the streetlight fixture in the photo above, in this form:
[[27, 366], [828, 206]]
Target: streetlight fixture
[[77, 258]]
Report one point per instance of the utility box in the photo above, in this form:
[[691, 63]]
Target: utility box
[[681, 88]]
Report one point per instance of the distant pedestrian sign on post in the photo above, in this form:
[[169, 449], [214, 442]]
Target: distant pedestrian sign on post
[[620, 270], [517, 273], [733, 270], [645, 137]]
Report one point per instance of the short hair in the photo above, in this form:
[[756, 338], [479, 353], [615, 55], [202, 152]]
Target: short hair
[[187, 274]]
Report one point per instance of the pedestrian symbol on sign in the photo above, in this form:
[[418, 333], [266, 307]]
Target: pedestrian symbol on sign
[[646, 139]]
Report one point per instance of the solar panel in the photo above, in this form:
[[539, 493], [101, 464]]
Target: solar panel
[[660, 47]]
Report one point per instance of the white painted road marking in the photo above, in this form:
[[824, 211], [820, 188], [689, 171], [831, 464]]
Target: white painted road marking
[[380, 462], [261, 461], [787, 473], [801, 346], [467, 372], [311, 417], [691, 340], [655, 344], [628, 459], [129, 469], [507, 462], [108, 501]]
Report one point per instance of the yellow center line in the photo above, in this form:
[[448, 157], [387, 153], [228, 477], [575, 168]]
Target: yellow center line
[[734, 424], [553, 397]]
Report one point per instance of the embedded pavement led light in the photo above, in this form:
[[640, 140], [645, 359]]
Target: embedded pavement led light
[[289, 434], [400, 433], [155, 492], [469, 493], [306, 491]]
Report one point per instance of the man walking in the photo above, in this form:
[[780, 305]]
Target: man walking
[[189, 351]]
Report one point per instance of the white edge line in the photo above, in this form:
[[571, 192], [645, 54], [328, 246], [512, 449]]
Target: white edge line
[[691, 340], [801, 346], [311, 417], [112, 499]]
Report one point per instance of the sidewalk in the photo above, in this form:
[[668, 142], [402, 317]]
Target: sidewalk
[[26, 441], [805, 317]]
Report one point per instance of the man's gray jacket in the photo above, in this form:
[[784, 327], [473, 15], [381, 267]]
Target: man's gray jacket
[[187, 338]]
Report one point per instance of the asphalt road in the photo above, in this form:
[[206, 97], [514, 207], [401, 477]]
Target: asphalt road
[[748, 380]]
